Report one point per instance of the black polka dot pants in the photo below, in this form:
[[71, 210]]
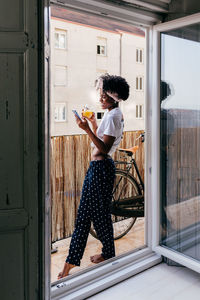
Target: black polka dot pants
[[94, 207]]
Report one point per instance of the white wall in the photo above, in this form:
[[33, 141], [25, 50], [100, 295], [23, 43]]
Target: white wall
[[83, 63]]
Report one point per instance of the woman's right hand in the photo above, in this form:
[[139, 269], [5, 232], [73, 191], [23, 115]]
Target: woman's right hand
[[93, 122], [92, 119]]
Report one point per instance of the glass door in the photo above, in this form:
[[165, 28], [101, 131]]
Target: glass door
[[179, 162]]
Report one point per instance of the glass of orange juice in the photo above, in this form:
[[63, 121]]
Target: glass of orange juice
[[87, 112]]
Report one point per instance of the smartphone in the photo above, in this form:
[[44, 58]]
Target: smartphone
[[75, 112]]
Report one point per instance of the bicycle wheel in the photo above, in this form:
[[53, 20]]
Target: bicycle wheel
[[125, 186]]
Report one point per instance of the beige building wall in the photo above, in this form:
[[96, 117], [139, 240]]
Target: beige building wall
[[74, 70], [131, 69]]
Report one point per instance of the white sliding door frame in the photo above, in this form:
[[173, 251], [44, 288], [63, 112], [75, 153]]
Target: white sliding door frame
[[95, 279], [171, 254]]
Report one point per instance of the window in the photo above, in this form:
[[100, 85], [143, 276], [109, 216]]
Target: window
[[60, 114], [82, 71], [100, 115], [60, 74], [60, 39], [139, 111], [101, 46], [139, 83], [101, 50], [139, 55]]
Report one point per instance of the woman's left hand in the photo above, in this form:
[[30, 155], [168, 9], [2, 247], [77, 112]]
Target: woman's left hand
[[83, 124]]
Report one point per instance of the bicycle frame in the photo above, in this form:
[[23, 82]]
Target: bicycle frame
[[129, 164], [124, 212], [123, 207]]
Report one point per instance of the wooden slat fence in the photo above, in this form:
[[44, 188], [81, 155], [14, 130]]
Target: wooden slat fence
[[70, 157], [183, 178]]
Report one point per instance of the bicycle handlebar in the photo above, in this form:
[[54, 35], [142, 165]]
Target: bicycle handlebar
[[142, 136]]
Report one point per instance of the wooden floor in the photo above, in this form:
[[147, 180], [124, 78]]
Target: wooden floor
[[132, 240], [161, 282]]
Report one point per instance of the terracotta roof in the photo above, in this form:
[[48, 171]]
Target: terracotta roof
[[94, 21]]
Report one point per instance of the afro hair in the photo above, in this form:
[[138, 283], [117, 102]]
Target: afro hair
[[116, 84]]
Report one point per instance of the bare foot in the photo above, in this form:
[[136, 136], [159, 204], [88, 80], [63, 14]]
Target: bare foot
[[65, 271], [96, 258]]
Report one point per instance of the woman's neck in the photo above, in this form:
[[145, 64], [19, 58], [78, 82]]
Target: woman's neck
[[112, 107]]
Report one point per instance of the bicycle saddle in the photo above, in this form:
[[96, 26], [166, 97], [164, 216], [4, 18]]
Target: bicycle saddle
[[129, 151]]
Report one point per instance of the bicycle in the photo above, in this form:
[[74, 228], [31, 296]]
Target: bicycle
[[128, 194]]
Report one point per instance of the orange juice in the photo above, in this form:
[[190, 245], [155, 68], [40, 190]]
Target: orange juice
[[87, 113]]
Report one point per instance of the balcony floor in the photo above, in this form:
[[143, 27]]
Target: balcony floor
[[132, 240]]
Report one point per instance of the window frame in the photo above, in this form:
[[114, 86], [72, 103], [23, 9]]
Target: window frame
[[103, 44], [66, 73], [101, 54], [138, 83], [60, 105], [133, 263], [139, 109], [155, 141], [140, 50], [59, 32], [95, 279]]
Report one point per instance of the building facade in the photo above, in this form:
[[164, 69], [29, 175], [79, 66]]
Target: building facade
[[82, 50]]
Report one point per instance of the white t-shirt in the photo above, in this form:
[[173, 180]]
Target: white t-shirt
[[112, 124]]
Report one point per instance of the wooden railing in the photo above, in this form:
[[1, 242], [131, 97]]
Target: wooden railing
[[70, 157]]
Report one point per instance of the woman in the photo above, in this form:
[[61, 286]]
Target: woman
[[98, 184]]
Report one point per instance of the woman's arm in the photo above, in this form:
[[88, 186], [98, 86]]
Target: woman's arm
[[103, 146], [93, 121]]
